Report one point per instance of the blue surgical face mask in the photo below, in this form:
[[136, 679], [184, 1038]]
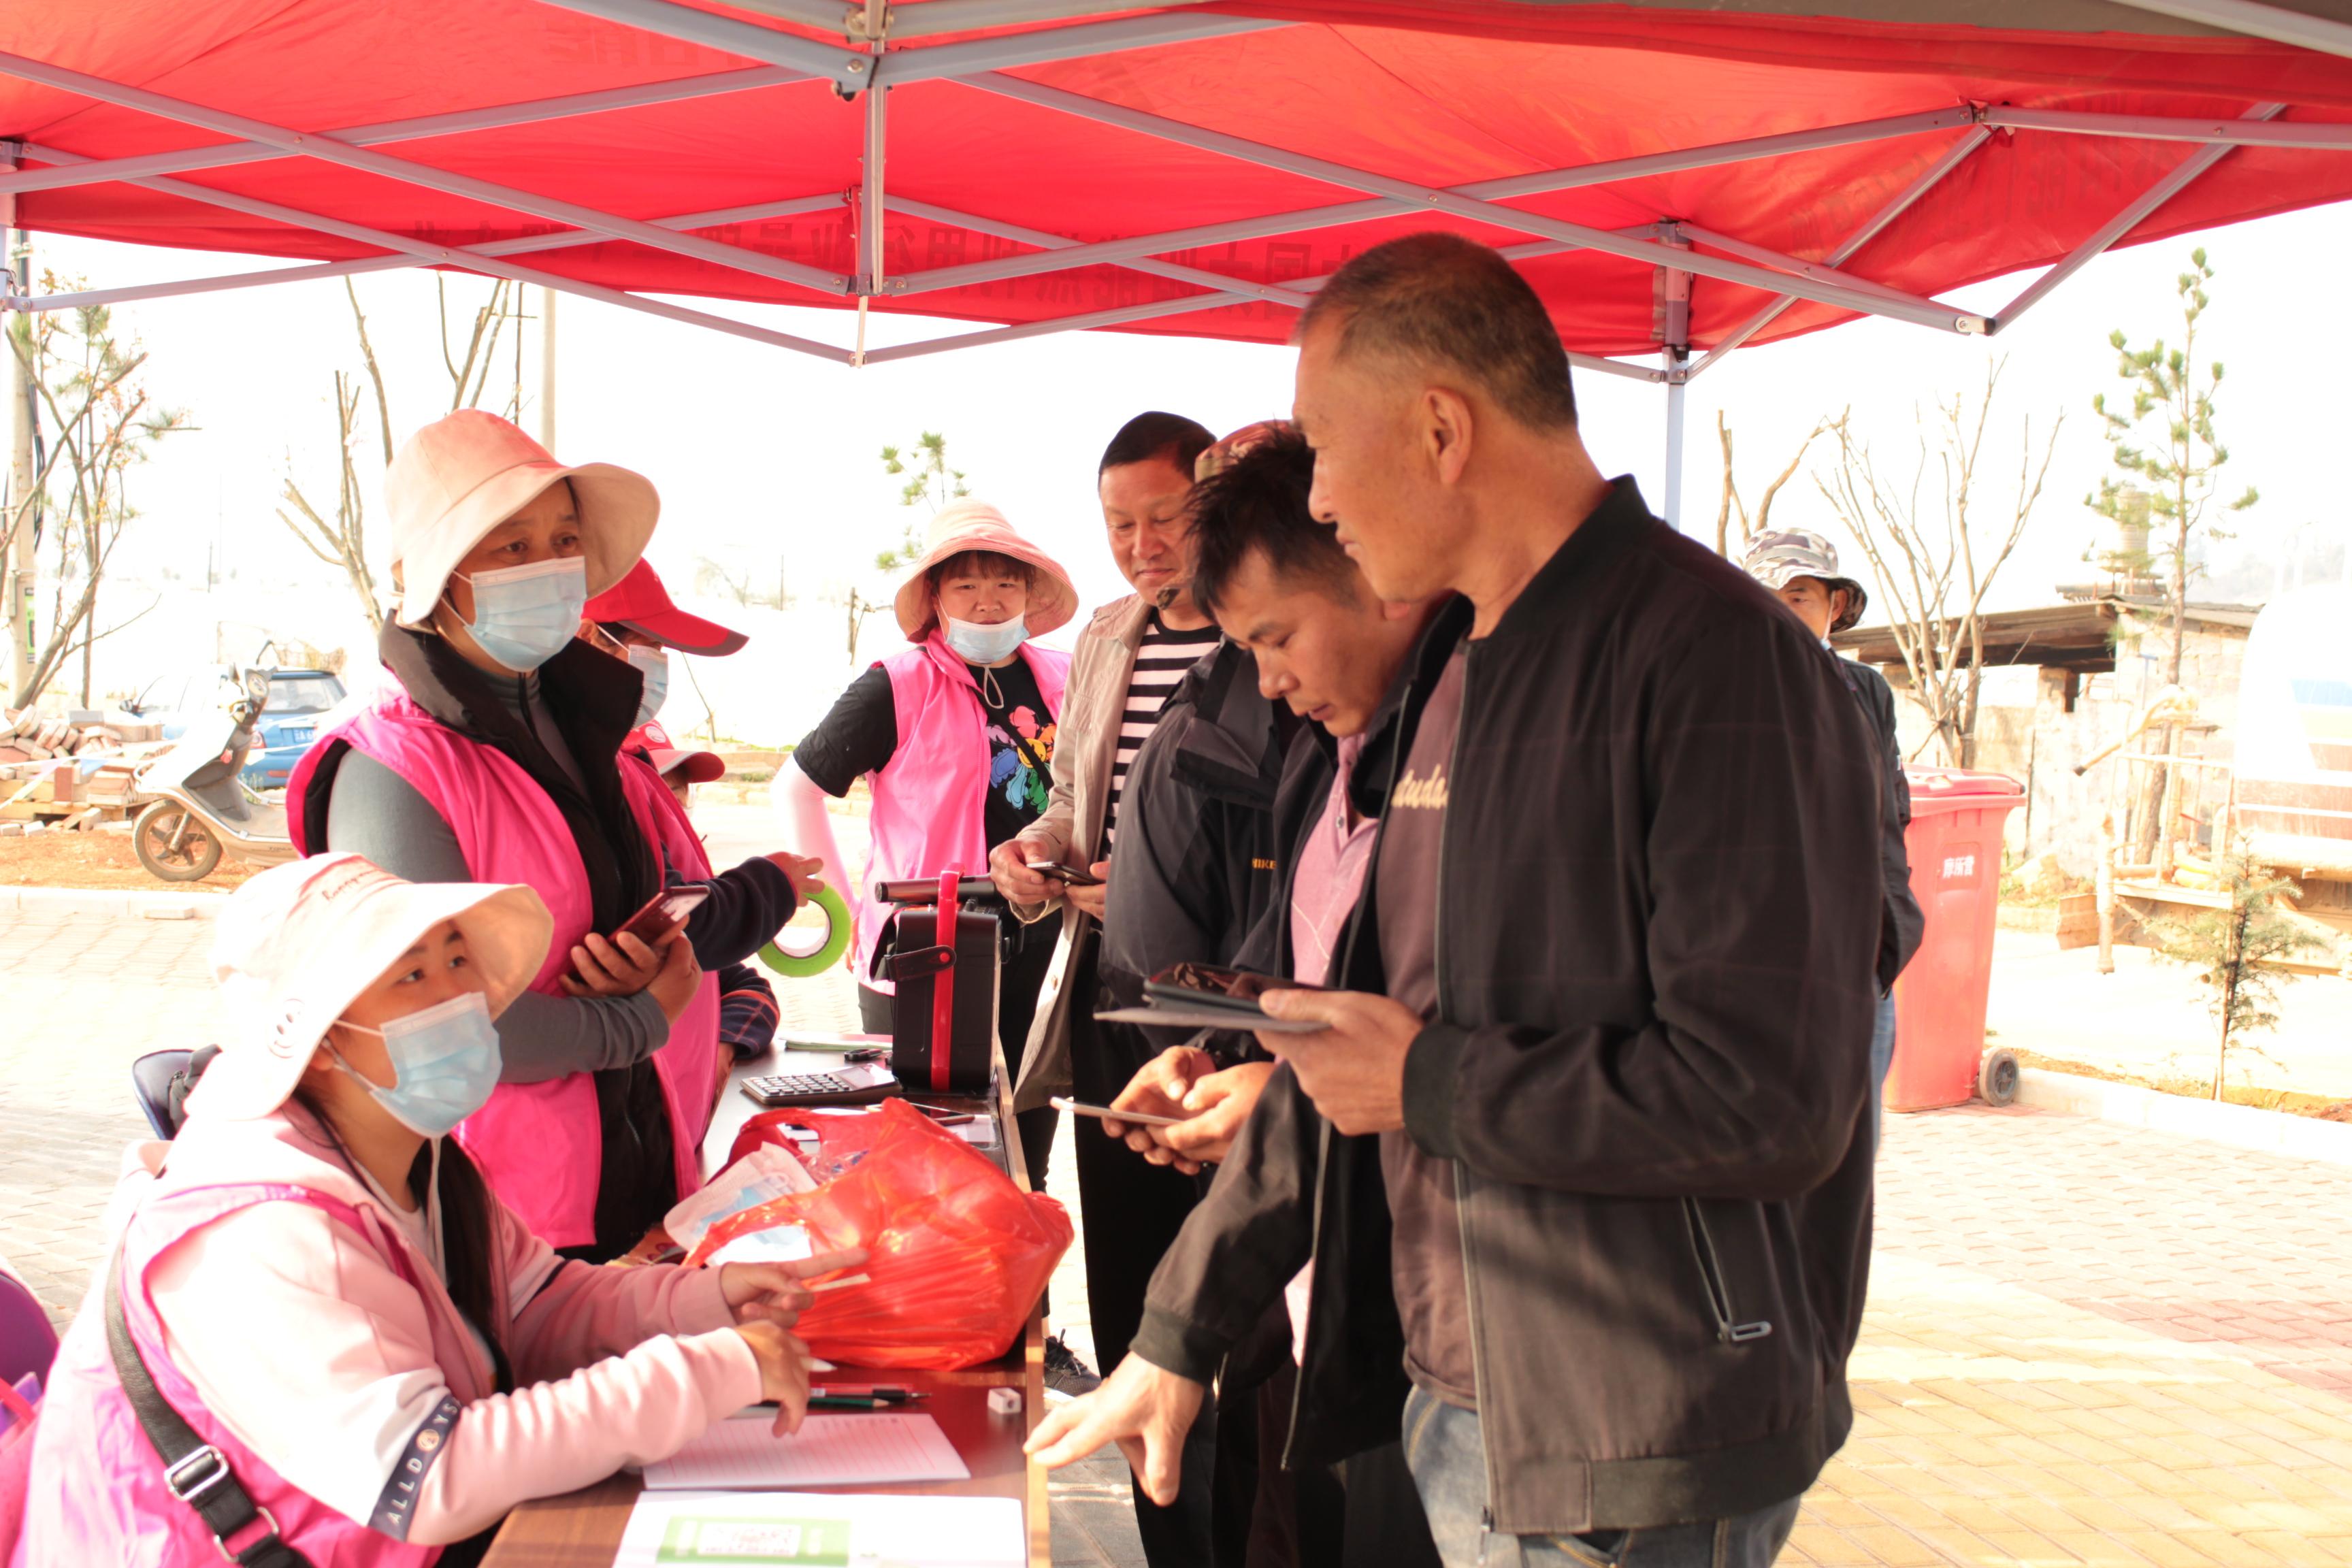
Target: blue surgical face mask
[[986, 644], [444, 1062], [523, 615], [654, 664]]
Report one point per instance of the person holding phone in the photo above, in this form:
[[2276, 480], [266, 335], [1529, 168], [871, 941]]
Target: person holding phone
[[314, 1280], [493, 755], [955, 736], [745, 906]]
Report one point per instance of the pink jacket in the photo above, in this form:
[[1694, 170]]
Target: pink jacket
[[286, 1311], [539, 1145], [930, 802]]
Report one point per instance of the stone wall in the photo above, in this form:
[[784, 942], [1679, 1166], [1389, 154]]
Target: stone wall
[[2039, 744]]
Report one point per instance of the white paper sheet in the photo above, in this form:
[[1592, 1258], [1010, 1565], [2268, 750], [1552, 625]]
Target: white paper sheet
[[835, 1450], [758, 1530]]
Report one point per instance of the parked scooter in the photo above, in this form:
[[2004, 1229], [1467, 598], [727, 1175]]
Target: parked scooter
[[205, 807]]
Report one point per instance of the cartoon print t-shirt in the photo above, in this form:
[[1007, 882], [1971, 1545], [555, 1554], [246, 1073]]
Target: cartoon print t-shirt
[[861, 734], [1015, 708]]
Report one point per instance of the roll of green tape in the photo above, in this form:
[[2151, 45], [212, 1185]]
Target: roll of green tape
[[797, 966]]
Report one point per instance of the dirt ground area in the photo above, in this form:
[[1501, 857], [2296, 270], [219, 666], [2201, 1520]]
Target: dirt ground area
[[101, 860]]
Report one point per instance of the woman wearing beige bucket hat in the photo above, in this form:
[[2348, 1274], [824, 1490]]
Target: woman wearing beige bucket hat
[[956, 734], [318, 1324], [493, 758]]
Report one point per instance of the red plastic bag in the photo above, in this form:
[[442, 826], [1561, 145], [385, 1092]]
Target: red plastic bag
[[959, 1254]]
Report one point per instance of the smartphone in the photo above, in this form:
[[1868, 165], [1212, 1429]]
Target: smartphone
[[664, 913], [1072, 875], [1220, 990], [1079, 1108]]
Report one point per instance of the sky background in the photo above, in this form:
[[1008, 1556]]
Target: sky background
[[767, 461]]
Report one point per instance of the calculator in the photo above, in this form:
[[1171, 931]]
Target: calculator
[[858, 1086]]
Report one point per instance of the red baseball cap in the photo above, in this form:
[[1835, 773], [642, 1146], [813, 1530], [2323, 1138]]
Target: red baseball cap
[[640, 603], [652, 743]]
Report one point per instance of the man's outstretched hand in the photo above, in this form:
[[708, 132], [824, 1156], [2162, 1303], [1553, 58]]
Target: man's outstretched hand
[[1144, 1409]]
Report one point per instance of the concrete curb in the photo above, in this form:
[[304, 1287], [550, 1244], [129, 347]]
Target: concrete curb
[[155, 906], [2240, 1126]]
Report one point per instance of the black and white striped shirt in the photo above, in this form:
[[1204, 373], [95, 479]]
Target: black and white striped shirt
[[1160, 660]]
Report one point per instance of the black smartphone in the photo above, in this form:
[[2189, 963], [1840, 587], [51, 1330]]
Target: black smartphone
[[1075, 876], [1223, 990]]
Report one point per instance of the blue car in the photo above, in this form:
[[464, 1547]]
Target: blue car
[[289, 723]]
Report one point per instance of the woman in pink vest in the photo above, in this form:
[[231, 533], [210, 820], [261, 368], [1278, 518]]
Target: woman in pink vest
[[957, 737], [318, 1324], [492, 757]]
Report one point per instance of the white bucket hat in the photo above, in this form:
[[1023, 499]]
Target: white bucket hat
[[301, 942], [465, 474], [966, 525]]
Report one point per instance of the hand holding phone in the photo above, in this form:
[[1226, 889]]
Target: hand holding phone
[[631, 959], [663, 913]]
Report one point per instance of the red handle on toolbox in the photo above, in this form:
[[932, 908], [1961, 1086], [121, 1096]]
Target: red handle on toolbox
[[943, 987]]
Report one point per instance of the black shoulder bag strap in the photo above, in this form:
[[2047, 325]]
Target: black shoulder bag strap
[[195, 1472]]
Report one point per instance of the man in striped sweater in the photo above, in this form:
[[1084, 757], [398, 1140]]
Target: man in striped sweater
[[1130, 657]]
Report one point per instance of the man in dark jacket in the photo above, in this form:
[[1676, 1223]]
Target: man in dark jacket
[[1330, 652], [1578, 1153], [1801, 568], [1195, 867]]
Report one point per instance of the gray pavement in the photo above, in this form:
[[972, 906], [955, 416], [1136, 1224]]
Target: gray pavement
[[2088, 1344]]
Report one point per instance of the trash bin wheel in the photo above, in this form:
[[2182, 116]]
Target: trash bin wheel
[[172, 844], [1996, 1078]]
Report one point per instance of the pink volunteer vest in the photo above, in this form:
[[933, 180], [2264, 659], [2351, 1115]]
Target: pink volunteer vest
[[930, 800], [539, 1145], [98, 1492]]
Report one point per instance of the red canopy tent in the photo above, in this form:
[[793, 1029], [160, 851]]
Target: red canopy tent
[[1675, 181]]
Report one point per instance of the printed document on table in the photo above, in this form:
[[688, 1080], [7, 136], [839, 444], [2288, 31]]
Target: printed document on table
[[828, 1451], [758, 1530]]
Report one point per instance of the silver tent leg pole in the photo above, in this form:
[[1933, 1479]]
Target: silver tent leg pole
[[1672, 511]]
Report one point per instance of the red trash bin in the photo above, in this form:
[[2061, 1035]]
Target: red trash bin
[[1954, 842]]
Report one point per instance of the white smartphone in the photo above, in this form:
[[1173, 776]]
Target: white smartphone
[[1080, 1108]]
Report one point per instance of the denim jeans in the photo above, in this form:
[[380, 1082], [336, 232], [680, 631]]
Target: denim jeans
[[1448, 1460], [1881, 1057]]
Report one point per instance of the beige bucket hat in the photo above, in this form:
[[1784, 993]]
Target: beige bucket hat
[[975, 525], [298, 942], [465, 474]]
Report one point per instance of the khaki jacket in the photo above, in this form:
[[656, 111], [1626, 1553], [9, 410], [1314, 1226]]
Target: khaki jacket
[[1085, 744]]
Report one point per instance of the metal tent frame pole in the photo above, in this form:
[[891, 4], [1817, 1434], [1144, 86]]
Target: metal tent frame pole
[[871, 54]]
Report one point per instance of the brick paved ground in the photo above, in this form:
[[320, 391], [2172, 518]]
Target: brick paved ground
[[2086, 1344]]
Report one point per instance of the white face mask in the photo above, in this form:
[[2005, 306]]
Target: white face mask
[[985, 643], [654, 664], [525, 616]]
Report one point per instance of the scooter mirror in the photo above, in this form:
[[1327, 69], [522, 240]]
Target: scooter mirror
[[257, 684]]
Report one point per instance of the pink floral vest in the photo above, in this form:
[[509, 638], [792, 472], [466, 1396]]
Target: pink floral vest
[[98, 1492], [930, 800], [539, 1145]]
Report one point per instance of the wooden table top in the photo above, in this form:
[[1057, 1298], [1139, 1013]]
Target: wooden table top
[[583, 1528]]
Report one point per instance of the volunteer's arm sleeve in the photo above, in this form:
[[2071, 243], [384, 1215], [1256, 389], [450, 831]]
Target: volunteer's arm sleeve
[[1761, 856], [858, 735], [374, 811], [318, 1356], [746, 907]]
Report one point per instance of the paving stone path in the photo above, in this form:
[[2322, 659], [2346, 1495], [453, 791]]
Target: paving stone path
[[2088, 1344]]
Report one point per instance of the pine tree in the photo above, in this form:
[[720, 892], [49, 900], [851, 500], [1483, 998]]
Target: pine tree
[[2230, 948]]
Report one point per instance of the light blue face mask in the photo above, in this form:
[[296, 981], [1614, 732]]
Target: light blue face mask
[[986, 644], [444, 1062], [523, 615], [654, 664]]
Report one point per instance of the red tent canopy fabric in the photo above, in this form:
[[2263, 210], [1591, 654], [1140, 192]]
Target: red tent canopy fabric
[[2022, 127]]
